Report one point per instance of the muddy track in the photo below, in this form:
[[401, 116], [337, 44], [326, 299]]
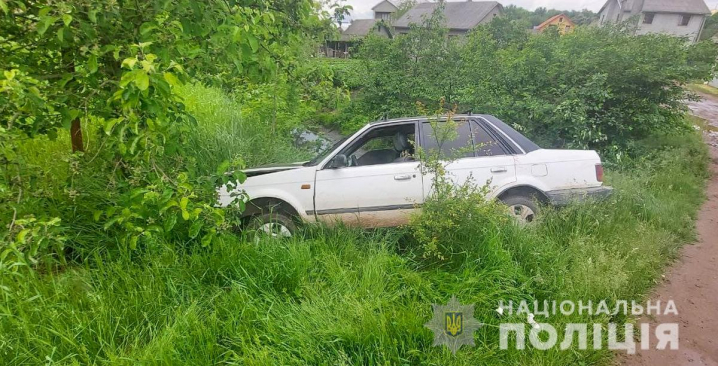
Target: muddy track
[[692, 282]]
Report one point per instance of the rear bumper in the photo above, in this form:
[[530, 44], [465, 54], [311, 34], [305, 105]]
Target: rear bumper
[[566, 196]]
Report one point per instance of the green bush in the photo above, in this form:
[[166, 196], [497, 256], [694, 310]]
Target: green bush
[[597, 87]]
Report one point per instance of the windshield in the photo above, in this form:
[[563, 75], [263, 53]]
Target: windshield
[[322, 155]]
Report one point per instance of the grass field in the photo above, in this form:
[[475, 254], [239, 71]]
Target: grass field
[[340, 296], [703, 88]]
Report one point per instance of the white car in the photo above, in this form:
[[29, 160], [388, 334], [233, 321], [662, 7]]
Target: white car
[[372, 180]]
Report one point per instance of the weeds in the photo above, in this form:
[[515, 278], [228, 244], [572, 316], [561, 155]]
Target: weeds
[[353, 297]]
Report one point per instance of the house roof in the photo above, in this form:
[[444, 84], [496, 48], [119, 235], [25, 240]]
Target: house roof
[[676, 6], [386, 6], [661, 6], [359, 28], [632, 6], [550, 20], [459, 15]]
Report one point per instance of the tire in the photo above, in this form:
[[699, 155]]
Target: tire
[[524, 209], [274, 225]]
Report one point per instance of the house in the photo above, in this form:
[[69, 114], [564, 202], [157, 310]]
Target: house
[[384, 13], [386, 9], [682, 18], [461, 17], [357, 30], [560, 21]]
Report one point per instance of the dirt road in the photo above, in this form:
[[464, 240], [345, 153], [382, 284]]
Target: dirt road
[[692, 282]]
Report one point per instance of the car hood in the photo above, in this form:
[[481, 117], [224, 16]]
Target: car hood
[[272, 168]]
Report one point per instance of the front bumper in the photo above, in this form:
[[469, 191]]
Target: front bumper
[[565, 196]]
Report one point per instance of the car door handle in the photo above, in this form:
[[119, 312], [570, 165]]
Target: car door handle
[[499, 170], [402, 177]]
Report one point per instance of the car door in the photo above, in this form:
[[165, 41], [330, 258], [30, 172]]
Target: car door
[[380, 186], [474, 154]]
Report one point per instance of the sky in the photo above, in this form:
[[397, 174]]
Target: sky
[[362, 8]]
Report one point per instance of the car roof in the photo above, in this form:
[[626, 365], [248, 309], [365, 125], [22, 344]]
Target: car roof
[[521, 140]]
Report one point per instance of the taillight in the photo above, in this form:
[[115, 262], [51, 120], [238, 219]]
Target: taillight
[[599, 172]]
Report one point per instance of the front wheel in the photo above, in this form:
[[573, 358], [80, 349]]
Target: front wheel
[[274, 225], [523, 209]]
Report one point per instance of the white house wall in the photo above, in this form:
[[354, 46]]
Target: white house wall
[[670, 24], [610, 13]]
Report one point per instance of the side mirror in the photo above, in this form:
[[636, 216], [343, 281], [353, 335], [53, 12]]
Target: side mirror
[[338, 161]]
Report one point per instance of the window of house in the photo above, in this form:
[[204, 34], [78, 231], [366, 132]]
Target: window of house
[[560, 20], [485, 144], [648, 18], [459, 147], [685, 19]]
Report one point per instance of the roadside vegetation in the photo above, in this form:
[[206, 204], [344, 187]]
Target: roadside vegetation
[[704, 88], [115, 254]]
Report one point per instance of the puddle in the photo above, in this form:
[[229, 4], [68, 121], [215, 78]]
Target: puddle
[[315, 141]]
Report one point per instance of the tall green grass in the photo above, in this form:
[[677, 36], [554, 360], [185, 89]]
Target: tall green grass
[[228, 131], [338, 296]]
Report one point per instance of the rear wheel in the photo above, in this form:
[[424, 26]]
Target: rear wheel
[[272, 225], [523, 209]]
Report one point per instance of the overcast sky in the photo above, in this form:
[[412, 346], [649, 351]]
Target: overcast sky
[[362, 8]]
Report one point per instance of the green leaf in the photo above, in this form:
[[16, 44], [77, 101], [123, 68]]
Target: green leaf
[[142, 80], [92, 15], [66, 19], [172, 79], [253, 42], [44, 11], [195, 228], [3, 6], [133, 242], [147, 27], [207, 240], [110, 124], [22, 236], [44, 23], [129, 62], [61, 34], [92, 64], [170, 223], [222, 168]]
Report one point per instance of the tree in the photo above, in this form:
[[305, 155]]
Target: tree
[[710, 29], [598, 88], [116, 65], [341, 12]]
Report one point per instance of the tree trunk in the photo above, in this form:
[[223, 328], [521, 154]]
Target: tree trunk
[[76, 136]]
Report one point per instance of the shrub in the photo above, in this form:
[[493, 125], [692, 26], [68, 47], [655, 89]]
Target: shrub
[[598, 87]]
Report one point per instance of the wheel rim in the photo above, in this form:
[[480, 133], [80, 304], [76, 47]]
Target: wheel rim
[[273, 230], [522, 213]]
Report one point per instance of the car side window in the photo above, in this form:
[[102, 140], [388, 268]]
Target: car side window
[[460, 147], [484, 143], [382, 145]]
